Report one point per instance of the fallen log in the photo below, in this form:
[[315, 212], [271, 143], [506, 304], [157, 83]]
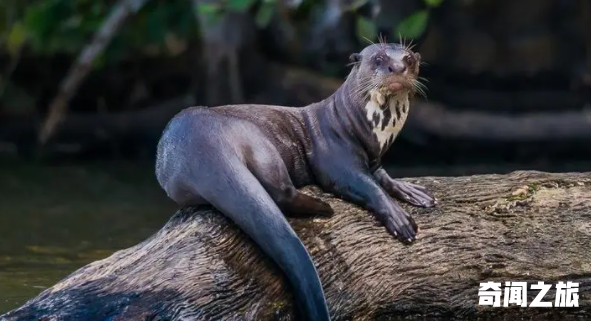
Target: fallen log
[[524, 226]]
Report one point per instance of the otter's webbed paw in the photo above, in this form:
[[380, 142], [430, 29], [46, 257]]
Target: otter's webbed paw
[[411, 193], [399, 223]]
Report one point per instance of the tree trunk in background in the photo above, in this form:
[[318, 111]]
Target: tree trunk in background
[[525, 226]]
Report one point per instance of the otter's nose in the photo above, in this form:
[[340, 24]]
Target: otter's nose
[[401, 64], [397, 67]]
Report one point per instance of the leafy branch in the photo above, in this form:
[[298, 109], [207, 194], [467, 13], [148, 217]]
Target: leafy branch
[[411, 27], [47, 27], [212, 11]]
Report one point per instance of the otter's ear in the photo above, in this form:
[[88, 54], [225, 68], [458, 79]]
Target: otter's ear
[[355, 57]]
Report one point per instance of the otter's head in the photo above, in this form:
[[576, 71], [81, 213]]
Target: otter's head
[[390, 69]]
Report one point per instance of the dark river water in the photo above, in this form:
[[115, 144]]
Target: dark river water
[[55, 219]]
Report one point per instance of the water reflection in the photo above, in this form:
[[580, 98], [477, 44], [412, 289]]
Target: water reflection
[[55, 219]]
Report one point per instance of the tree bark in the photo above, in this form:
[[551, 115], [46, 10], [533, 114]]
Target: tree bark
[[524, 226]]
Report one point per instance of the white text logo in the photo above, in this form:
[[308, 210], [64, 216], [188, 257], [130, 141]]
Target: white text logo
[[490, 293]]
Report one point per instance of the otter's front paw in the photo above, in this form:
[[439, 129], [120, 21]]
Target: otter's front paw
[[413, 194], [399, 223]]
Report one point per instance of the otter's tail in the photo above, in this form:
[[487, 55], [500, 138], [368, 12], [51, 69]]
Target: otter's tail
[[244, 200]]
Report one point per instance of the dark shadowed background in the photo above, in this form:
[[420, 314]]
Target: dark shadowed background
[[87, 86]]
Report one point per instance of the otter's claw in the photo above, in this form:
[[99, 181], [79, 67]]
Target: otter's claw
[[400, 224]]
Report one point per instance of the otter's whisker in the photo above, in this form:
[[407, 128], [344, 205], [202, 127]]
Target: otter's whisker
[[362, 91], [410, 45], [418, 82], [421, 93], [419, 88], [367, 39], [423, 79], [382, 39], [403, 41], [364, 87], [352, 63]]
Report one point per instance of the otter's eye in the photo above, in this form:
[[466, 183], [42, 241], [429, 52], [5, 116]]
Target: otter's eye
[[408, 60], [379, 61]]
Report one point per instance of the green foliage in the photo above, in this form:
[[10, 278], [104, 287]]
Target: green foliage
[[366, 29], [265, 13], [209, 12], [414, 25], [208, 8], [433, 3], [61, 26], [239, 5], [16, 38], [410, 28], [47, 27]]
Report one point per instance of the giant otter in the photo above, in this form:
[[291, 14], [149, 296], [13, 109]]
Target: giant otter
[[249, 160]]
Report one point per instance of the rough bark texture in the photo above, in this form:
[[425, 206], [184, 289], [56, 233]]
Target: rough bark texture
[[525, 226]]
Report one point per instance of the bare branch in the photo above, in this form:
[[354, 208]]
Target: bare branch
[[68, 87], [11, 67], [438, 120]]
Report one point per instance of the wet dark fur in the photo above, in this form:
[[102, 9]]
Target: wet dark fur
[[249, 160]]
